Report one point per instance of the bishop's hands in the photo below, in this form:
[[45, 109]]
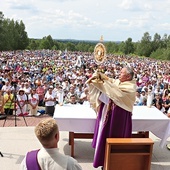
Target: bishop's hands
[[103, 76], [97, 77]]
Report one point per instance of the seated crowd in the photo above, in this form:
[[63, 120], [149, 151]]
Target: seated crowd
[[29, 79], [25, 99], [159, 97]]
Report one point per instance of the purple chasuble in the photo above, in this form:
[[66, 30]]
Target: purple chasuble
[[117, 123]]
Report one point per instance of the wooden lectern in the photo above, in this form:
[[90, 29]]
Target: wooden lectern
[[128, 153]]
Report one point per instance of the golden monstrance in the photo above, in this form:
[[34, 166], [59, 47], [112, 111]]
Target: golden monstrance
[[99, 56], [100, 52]]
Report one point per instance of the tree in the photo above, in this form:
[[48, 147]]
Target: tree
[[22, 38], [157, 43], [144, 47], [91, 49], [166, 54], [70, 46], [122, 47], [128, 46], [56, 44], [158, 54], [164, 41], [8, 41], [33, 45], [44, 44], [112, 47], [1, 30], [79, 46], [50, 40], [62, 46], [12, 34]]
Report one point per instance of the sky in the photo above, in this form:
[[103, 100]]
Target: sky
[[115, 20]]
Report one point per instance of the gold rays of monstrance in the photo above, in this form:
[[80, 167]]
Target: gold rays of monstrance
[[100, 52], [99, 57]]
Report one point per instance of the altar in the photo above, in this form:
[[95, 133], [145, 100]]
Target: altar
[[81, 119]]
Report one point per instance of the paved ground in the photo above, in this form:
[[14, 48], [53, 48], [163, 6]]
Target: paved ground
[[16, 121], [12, 121], [16, 141]]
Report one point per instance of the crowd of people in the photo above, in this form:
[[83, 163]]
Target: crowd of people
[[47, 77]]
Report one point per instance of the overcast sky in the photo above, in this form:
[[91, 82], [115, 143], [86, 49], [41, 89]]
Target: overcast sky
[[116, 20]]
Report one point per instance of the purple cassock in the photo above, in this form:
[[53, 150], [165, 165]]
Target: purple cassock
[[116, 123]]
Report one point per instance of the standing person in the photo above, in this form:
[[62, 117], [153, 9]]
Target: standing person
[[60, 95], [27, 90], [33, 100], [139, 99], [40, 91], [21, 100], [150, 96], [113, 99], [1, 103], [49, 157], [84, 98], [6, 87], [50, 100], [9, 102]]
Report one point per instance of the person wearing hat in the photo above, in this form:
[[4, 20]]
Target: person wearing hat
[[21, 100]]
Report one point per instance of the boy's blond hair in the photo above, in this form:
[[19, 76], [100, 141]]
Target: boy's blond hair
[[46, 130]]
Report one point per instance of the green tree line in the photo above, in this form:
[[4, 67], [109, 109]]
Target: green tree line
[[12, 34], [14, 37]]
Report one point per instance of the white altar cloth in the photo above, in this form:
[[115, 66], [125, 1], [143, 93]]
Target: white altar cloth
[[79, 118]]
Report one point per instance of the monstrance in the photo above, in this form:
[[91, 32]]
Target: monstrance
[[99, 54]]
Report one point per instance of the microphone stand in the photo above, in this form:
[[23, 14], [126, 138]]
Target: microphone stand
[[1, 154]]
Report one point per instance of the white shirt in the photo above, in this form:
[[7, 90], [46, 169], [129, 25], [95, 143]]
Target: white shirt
[[21, 99], [60, 96], [33, 99], [5, 88], [27, 90], [49, 96], [51, 159]]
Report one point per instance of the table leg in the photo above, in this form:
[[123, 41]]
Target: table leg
[[145, 133], [71, 142], [141, 134], [73, 135]]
